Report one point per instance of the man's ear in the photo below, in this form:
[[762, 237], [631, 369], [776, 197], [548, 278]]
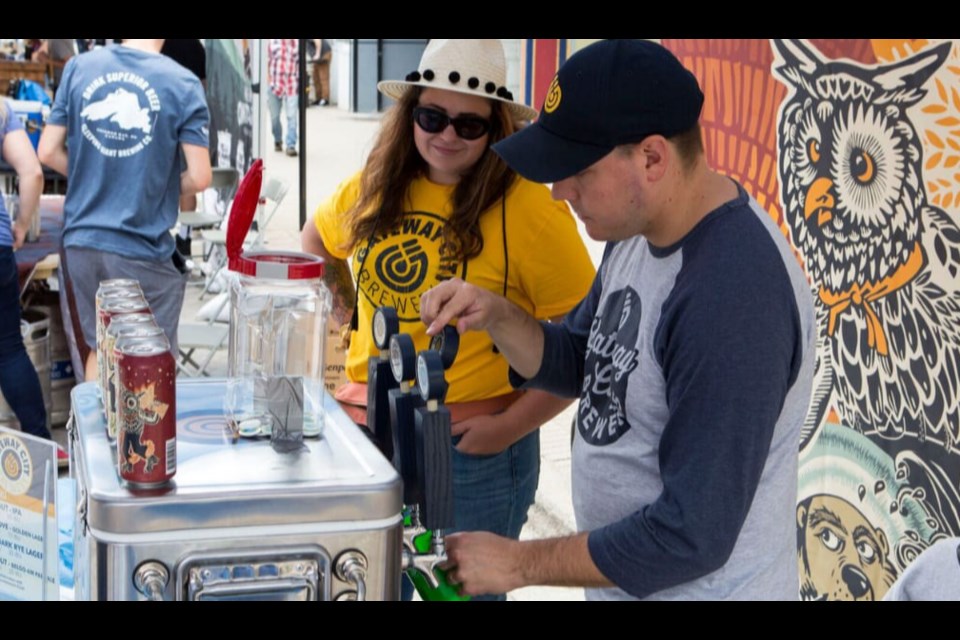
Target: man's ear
[[655, 156]]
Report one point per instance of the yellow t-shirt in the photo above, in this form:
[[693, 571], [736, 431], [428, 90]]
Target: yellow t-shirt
[[549, 271]]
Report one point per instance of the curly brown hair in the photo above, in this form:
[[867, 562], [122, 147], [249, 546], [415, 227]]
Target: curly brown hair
[[394, 163]]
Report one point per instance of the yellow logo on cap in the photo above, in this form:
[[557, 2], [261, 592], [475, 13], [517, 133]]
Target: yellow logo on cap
[[553, 97]]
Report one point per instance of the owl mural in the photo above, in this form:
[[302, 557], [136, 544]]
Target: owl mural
[[883, 262]]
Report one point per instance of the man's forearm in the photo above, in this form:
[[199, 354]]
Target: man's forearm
[[188, 184], [52, 150], [516, 333], [483, 562], [57, 159], [198, 173], [519, 337], [563, 562]]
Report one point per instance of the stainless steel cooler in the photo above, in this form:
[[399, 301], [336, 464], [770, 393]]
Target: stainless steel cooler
[[239, 521]]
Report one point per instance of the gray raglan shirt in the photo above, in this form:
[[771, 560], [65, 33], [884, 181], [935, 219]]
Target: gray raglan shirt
[[694, 367]]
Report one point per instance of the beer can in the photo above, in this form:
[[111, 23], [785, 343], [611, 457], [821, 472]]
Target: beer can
[[137, 325], [112, 306], [147, 411], [116, 287], [117, 283]]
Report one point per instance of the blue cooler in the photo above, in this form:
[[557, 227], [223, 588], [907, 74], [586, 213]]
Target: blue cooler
[[29, 112]]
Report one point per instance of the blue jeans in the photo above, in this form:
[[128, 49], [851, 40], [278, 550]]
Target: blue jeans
[[292, 108], [18, 377], [494, 492]]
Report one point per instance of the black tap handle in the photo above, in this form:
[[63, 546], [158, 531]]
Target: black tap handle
[[434, 466], [380, 381], [402, 417]]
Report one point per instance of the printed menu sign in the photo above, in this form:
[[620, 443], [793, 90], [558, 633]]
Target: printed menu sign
[[27, 469]]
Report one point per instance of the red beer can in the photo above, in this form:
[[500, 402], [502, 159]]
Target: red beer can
[[147, 411], [122, 303], [131, 325], [117, 287]]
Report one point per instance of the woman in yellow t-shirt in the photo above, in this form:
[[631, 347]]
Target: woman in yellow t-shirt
[[434, 202]]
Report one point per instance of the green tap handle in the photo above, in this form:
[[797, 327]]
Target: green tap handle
[[444, 592]]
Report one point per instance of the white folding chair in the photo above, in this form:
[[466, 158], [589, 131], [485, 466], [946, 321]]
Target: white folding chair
[[224, 182], [207, 337], [271, 195]]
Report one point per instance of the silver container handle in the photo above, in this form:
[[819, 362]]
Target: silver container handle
[[351, 567], [151, 579]]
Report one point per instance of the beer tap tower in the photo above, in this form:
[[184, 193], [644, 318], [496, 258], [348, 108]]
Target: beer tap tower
[[421, 442]]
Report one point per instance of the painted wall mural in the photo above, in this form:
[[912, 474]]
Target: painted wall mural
[[853, 147], [230, 98], [539, 61]]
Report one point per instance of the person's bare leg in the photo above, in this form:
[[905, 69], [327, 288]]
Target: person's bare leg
[[90, 370]]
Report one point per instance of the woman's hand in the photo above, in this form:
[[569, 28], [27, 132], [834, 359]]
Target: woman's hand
[[485, 435], [491, 434]]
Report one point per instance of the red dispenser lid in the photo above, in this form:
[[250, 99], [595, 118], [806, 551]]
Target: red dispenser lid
[[243, 209], [278, 265]]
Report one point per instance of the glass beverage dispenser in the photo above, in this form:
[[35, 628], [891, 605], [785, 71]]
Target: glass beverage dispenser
[[278, 316]]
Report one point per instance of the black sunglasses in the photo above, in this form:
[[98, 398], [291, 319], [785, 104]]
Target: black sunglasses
[[467, 127]]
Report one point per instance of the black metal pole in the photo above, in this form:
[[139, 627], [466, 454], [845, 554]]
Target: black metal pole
[[379, 72], [354, 86], [302, 102]]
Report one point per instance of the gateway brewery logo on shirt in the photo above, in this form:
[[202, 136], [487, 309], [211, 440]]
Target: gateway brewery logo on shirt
[[399, 266], [119, 112], [16, 466], [611, 356]]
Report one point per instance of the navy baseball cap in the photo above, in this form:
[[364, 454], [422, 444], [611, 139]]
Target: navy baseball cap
[[610, 93]]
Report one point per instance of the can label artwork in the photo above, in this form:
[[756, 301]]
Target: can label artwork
[[147, 442], [111, 308], [128, 325]]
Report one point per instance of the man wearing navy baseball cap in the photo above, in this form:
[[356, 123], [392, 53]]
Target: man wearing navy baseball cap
[[692, 354]]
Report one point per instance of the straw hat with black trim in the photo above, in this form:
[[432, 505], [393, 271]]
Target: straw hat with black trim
[[473, 67]]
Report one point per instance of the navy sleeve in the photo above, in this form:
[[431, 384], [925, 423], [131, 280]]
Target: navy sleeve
[[564, 346], [729, 344]]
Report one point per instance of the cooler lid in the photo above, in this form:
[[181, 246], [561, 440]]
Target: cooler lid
[[243, 209], [222, 482]]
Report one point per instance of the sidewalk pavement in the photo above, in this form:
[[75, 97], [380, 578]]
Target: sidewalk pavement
[[337, 144]]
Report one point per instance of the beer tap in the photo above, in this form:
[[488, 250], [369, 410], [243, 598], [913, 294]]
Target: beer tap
[[425, 548], [432, 435], [402, 403], [380, 380]]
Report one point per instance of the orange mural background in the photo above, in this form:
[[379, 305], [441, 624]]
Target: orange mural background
[[900, 494], [742, 100]]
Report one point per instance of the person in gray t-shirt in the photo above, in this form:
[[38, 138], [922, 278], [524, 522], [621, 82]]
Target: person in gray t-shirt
[[121, 119], [692, 354]]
